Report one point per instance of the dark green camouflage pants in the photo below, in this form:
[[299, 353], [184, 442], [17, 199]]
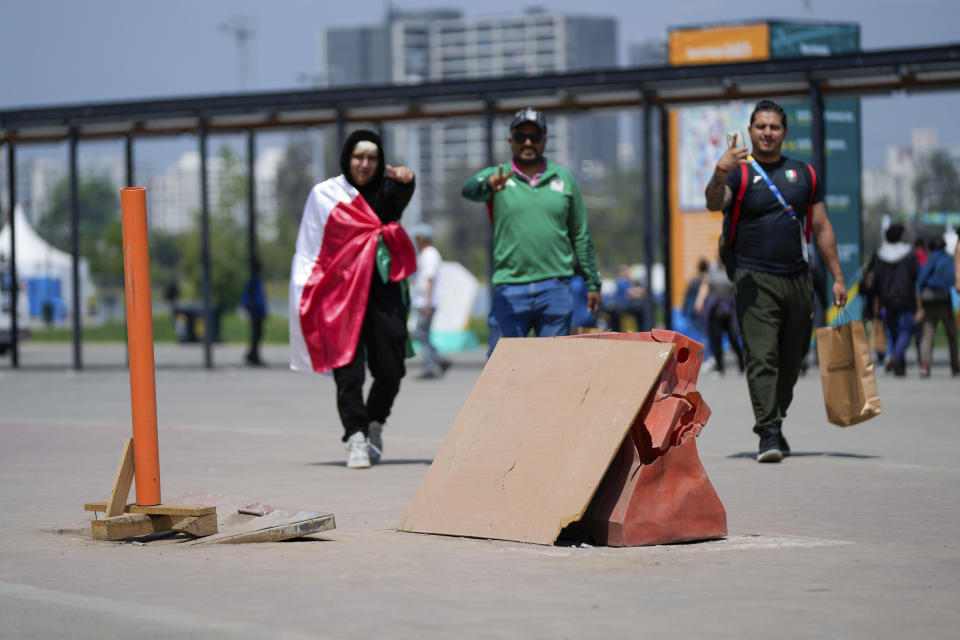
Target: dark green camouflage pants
[[776, 320]]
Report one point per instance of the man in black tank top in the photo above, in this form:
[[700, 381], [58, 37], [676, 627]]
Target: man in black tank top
[[772, 278]]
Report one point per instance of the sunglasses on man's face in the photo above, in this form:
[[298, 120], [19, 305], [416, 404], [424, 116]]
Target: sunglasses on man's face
[[535, 137]]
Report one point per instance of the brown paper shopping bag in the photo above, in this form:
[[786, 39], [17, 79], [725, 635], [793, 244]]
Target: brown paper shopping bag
[[878, 336], [846, 370]]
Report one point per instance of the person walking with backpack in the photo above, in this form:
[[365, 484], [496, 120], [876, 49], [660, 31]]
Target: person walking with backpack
[[773, 204], [934, 281], [896, 280]]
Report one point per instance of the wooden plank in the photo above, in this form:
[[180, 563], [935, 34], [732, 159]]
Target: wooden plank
[[199, 526], [120, 527], [130, 525], [157, 509], [275, 527], [121, 483]]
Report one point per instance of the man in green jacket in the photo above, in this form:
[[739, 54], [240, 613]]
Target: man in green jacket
[[540, 235]]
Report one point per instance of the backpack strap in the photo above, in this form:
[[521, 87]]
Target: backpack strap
[[738, 203], [813, 190]]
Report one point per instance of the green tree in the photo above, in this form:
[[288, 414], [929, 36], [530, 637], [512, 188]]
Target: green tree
[[166, 252], [100, 230], [615, 209], [294, 180], [937, 185], [228, 240]]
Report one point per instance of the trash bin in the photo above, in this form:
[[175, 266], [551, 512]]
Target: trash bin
[[189, 324]]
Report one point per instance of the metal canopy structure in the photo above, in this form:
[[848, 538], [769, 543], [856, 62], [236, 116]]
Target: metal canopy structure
[[865, 73], [880, 72]]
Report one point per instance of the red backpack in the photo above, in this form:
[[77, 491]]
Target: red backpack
[[729, 235]]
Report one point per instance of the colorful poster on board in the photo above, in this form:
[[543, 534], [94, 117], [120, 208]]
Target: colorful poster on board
[[701, 140]]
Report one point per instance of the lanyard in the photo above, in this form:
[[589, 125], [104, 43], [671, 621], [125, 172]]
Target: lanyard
[[763, 174], [786, 207]]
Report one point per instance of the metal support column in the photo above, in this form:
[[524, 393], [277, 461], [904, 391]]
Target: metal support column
[[14, 278], [341, 124], [488, 118], [129, 177], [648, 206], [818, 157], [817, 131], [251, 198], [208, 319], [75, 248], [128, 158], [664, 117]]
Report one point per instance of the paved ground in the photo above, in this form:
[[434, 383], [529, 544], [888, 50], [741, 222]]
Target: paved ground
[[855, 536]]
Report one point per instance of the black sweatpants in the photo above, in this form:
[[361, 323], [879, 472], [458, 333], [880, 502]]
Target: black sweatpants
[[382, 345], [776, 322]]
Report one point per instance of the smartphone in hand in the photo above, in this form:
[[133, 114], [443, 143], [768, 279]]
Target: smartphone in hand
[[734, 139]]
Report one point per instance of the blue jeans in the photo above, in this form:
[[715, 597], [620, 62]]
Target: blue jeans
[[901, 325], [546, 306]]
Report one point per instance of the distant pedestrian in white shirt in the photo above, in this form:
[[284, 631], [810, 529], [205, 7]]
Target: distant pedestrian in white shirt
[[424, 300]]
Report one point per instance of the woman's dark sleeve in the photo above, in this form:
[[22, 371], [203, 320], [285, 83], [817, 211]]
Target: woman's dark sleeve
[[398, 195]]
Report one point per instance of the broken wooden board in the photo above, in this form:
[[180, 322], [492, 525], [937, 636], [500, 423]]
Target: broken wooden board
[[535, 437], [157, 509], [276, 526], [122, 482], [131, 525]]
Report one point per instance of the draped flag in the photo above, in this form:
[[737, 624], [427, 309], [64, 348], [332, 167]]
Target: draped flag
[[330, 276]]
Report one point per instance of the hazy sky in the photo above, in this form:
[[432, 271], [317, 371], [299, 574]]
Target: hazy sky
[[68, 51]]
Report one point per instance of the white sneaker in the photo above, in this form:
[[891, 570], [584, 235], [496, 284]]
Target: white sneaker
[[358, 452], [375, 440]]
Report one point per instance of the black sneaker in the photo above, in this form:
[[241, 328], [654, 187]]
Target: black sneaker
[[770, 449], [784, 447]]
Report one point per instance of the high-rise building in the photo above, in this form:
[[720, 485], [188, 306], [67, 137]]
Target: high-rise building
[[436, 45], [173, 198]]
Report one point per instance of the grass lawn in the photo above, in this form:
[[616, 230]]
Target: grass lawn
[[234, 327]]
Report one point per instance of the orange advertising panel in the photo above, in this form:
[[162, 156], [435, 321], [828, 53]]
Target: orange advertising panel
[[719, 44], [697, 139]]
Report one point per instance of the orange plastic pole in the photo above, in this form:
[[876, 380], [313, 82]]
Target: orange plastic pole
[[143, 386]]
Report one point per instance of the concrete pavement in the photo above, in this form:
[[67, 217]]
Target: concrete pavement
[[854, 536]]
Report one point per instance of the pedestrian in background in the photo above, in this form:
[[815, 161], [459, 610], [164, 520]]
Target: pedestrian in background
[[896, 281], [717, 305], [425, 299], [956, 265], [870, 310], [921, 248], [628, 300], [692, 291], [255, 302], [936, 278]]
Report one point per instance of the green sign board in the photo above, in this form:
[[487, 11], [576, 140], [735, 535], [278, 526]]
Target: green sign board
[[798, 39], [842, 175]]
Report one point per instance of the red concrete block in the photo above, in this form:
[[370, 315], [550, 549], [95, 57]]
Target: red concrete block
[[656, 490]]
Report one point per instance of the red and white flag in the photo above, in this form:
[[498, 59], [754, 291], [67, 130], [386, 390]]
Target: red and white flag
[[331, 271]]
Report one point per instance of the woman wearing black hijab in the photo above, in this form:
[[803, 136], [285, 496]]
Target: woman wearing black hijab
[[342, 246]]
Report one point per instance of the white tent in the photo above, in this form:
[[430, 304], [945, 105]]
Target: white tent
[[38, 259], [456, 294]]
